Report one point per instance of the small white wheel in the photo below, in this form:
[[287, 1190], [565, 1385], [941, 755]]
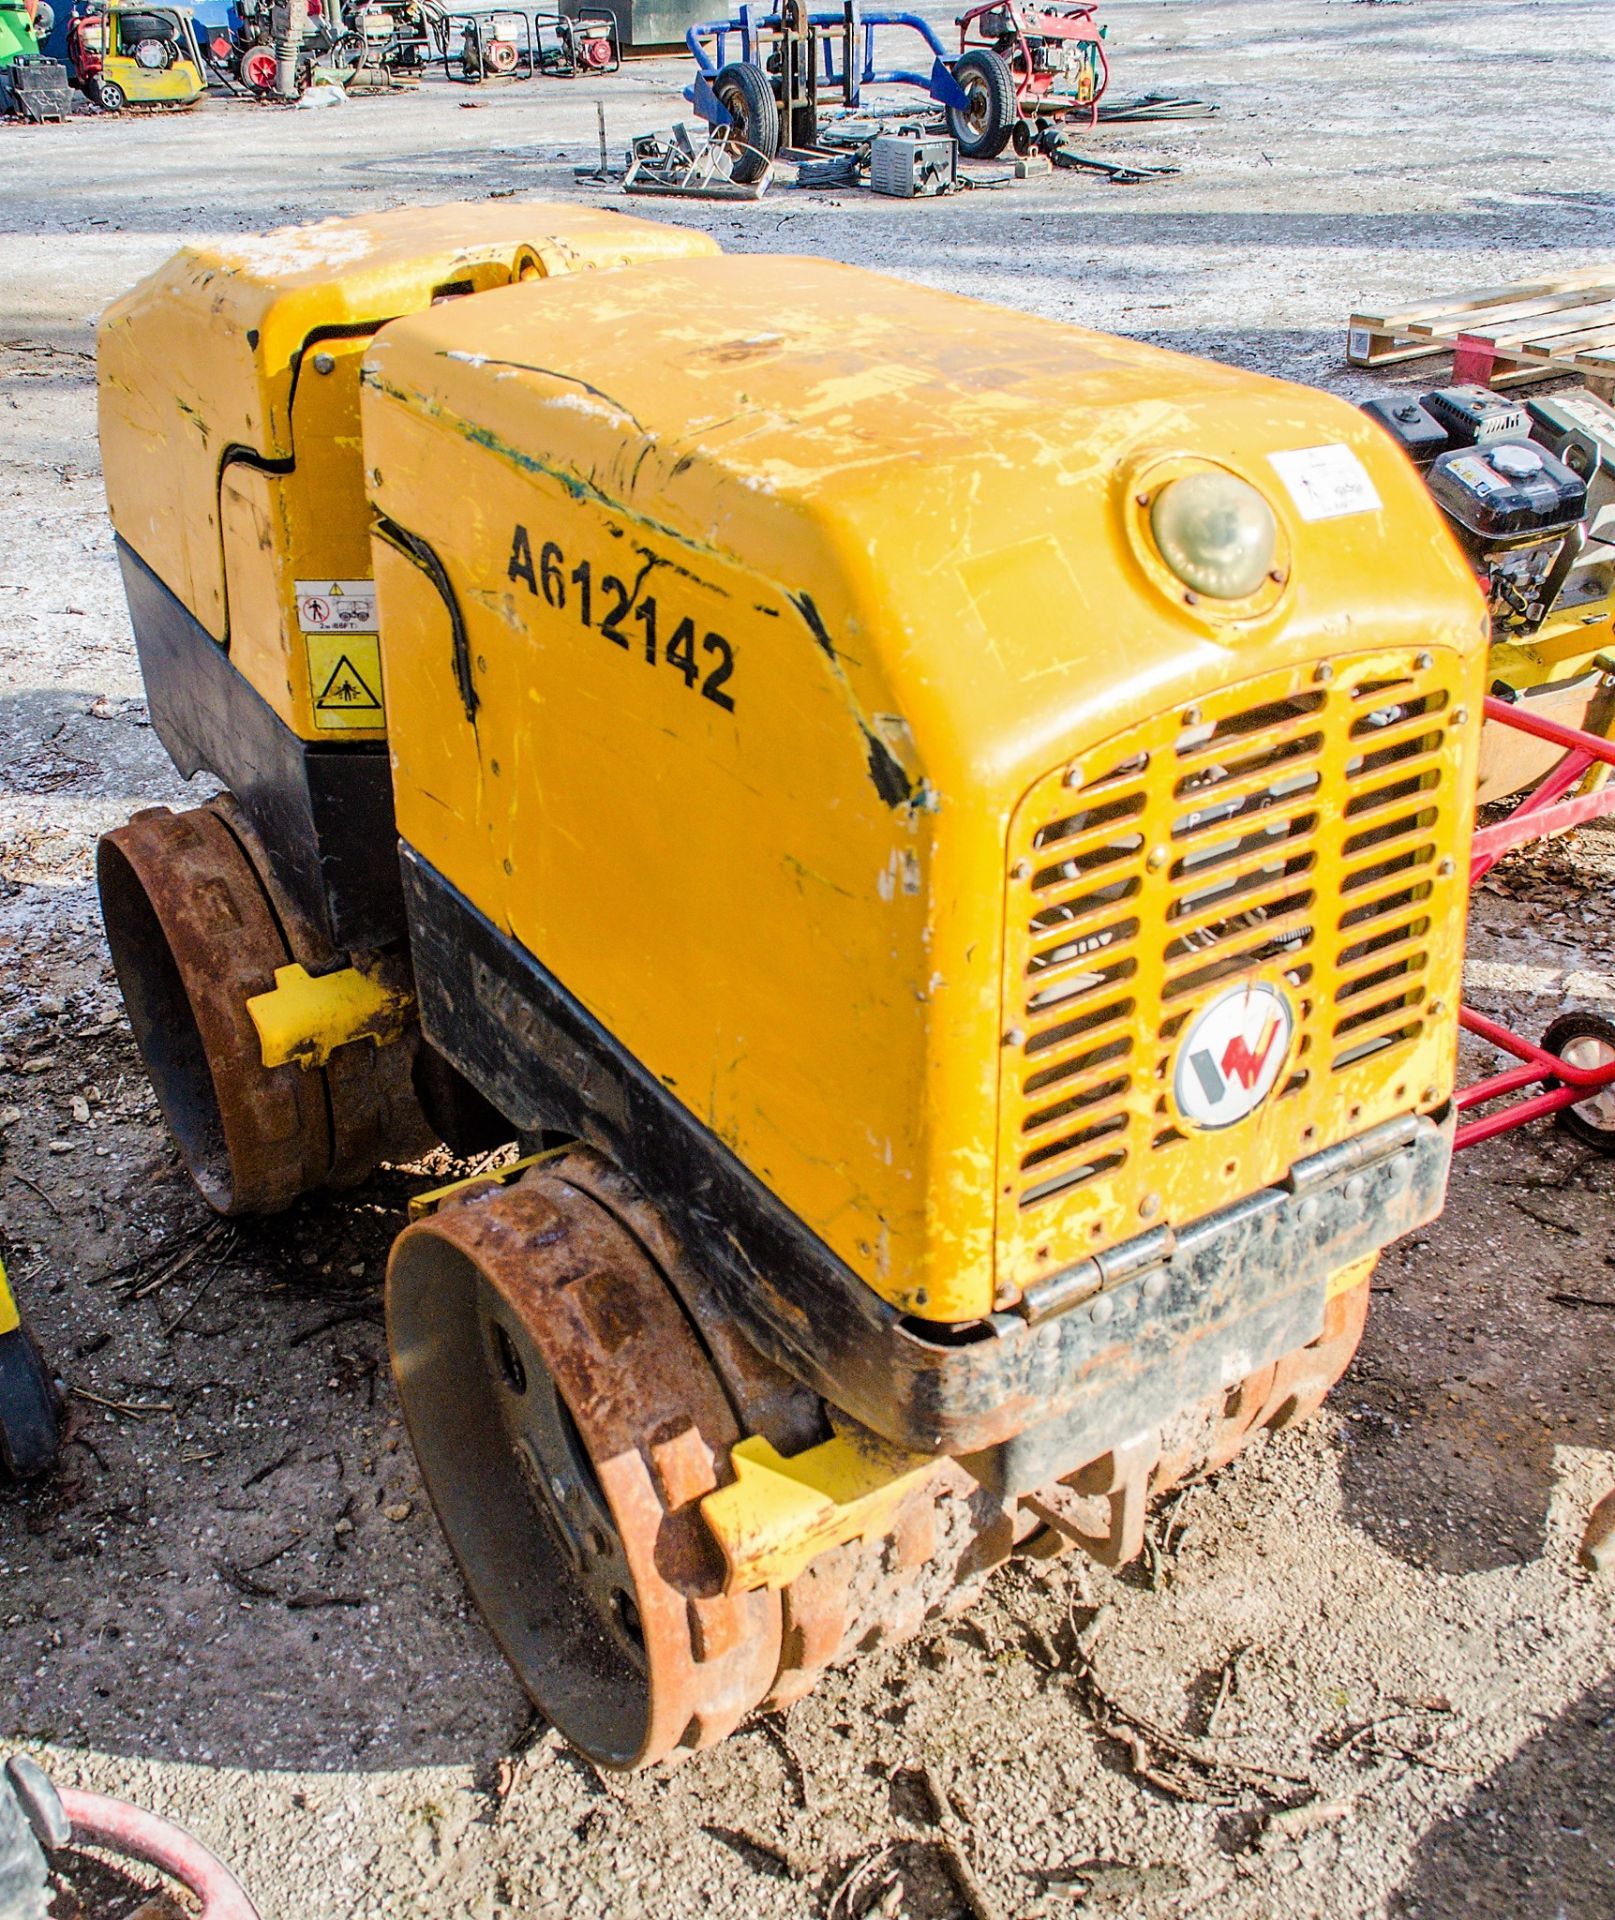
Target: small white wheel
[[1586, 1041]]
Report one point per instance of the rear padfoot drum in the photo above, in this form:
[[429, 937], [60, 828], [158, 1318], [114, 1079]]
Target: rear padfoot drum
[[197, 928]]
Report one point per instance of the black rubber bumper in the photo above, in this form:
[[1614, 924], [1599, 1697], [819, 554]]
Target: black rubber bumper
[[30, 1431], [1162, 1322]]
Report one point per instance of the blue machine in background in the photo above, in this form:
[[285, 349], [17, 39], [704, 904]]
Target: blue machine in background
[[768, 95]]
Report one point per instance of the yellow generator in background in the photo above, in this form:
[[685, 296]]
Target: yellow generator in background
[[944, 836], [135, 53]]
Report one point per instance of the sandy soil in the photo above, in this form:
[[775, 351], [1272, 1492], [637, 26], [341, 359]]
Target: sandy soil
[[233, 1605]]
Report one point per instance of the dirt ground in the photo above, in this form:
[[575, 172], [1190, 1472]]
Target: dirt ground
[[232, 1603]]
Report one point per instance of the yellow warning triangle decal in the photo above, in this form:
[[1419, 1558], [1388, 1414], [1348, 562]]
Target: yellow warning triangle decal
[[347, 691]]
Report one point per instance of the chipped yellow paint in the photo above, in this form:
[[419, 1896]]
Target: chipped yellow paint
[[911, 518], [777, 1514], [229, 401], [305, 1017]]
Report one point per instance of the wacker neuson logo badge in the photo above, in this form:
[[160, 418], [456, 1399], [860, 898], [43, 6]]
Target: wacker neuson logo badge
[[1232, 1054]]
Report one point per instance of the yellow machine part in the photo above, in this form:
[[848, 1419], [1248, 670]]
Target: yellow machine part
[[1565, 672], [10, 1318], [230, 429], [305, 1017], [790, 597], [1566, 642], [777, 1514], [176, 85]]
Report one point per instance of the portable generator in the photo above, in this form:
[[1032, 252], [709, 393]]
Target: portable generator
[[1528, 489], [975, 986], [1024, 69], [124, 53]]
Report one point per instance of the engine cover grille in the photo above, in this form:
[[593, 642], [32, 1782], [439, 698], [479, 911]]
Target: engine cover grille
[[1233, 937]]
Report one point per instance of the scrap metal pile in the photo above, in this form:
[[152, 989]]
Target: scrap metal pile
[[801, 85]]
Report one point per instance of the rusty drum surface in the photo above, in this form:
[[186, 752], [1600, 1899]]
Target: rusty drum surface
[[197, 928], [193, 938], [567, 1423], [573, 1392]]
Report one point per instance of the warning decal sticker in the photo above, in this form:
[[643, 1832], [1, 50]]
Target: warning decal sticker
[[344, 682], [1326, 482], [336, 606]]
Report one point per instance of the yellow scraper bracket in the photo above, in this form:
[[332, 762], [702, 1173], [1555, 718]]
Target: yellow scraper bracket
[[778, 1514], [306, 1017], [10, 1319], [424, 1203]]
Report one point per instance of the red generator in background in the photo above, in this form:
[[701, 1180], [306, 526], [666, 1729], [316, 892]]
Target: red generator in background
[[1024, 67]]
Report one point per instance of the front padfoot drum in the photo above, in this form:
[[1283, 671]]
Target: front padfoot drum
[[196, 929], [1103, 1507], [567, 1422]]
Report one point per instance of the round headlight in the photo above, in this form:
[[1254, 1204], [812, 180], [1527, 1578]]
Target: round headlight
[[1216, 533]]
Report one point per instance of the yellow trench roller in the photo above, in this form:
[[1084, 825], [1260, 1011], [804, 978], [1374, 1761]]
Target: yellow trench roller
[[945, 836]]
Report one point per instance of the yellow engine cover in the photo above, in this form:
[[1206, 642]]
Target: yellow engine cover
[[229, 414], [808, 646]]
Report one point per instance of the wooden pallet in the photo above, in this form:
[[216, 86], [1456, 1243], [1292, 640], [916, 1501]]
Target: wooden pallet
[[1503, 336]]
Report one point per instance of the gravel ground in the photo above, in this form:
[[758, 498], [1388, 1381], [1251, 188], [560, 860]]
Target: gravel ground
[[232, 1603]]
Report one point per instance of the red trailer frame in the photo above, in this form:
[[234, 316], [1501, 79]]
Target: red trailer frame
[[1551, 807]]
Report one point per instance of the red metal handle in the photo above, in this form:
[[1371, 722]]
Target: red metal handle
[[1509, 714], [100, 1822], [1545, 810]]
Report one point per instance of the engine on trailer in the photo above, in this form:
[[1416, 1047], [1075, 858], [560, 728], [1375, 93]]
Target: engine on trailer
[[1528, 488], [1517, 511], [1051, 42]]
